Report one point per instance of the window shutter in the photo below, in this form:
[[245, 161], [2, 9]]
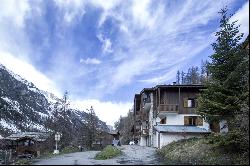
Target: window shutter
[[186, 120], [185, 102], [199, 121]]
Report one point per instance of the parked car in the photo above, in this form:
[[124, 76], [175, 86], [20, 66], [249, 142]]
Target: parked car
[[131, 143]]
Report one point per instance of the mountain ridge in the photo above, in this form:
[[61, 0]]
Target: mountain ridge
[[24, 107]]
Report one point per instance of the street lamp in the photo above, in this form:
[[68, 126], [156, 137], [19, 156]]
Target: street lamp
[[57, 138]]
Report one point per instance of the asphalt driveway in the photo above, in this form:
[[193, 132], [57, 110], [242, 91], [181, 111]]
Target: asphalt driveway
[[132, 155]]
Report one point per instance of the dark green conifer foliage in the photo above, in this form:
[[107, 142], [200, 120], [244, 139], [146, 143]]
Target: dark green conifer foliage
[[227, 88]]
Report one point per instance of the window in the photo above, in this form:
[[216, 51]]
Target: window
[[193, 121], [190, 103]]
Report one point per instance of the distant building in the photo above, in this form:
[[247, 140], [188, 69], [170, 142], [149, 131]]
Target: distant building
[[24, 143], [116, 137]]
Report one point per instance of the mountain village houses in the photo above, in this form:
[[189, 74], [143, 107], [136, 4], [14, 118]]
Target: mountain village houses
[[166, 113]]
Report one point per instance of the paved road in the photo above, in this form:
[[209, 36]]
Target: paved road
[[132, 155]]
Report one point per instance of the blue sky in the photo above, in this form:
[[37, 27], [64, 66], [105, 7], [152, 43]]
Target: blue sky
[[103, 52]]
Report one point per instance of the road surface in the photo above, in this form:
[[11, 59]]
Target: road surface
[[132, 155]]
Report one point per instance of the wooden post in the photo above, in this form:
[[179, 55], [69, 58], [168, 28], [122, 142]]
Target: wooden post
[[159, 93]]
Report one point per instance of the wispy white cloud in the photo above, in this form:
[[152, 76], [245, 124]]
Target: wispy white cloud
[[71, 9], [106, 44], [93, 61], [157, 38], [242, 15], [28, 72], [14, 11], [108, 112]]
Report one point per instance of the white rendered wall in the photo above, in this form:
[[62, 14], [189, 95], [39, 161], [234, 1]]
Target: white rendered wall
[[166, 138], [151, 121], [143, 141], [178, 119], [155, 140]]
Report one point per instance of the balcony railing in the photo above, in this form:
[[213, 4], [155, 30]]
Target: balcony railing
[[169, 108]]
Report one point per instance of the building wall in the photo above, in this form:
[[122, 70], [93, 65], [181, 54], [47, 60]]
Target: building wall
[[178, 119], [155, 140], [151, 122], [175, 119], [166, 138], [143, 141]]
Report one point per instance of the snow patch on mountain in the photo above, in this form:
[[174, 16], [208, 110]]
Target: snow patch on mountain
[[15, 105], [8, 125]]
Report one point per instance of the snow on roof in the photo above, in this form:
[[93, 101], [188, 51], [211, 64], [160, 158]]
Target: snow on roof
[[180, 129], [38, 136], [114, 132]]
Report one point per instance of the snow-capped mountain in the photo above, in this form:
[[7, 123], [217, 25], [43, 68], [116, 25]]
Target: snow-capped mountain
[[23, 107]]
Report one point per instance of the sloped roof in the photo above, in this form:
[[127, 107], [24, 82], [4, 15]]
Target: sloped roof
[[38, 136], [114, 132], [180, 129]]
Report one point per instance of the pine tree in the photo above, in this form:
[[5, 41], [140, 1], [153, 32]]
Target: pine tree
[[178, 74], [222, 98], [93, 127], [194, 75], [188, 77], [204, 72], [182, 77]]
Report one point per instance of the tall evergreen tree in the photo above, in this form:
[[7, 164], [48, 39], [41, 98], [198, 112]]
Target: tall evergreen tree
[[93, 127], [178, 77], [204, 74], [188, 76], [182, 77], [194, 75], [222, 98]]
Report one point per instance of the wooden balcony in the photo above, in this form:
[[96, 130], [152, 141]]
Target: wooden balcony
[[168, 108]]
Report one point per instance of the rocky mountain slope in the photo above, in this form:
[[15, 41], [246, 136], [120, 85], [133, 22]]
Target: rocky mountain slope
[[23, 107]]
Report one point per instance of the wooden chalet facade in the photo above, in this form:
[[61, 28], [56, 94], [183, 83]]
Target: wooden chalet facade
[[161, 114], [26, 143]]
